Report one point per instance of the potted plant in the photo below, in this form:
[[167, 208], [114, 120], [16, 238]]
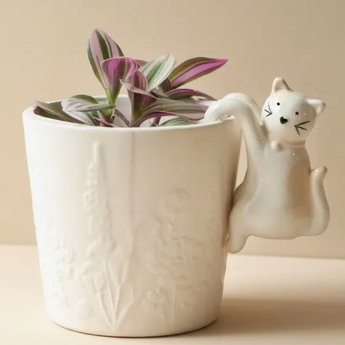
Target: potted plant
[[131, 197]]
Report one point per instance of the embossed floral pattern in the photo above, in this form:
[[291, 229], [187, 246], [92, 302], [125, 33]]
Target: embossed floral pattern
[[155, 268], [97, 275], [83, 309], [55, 256]]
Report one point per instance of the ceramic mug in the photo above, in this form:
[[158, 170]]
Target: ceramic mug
[[132, 223]]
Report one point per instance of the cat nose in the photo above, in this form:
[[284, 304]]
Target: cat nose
[[283, 120]]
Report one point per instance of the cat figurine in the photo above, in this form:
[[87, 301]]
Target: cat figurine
[[280, 196]]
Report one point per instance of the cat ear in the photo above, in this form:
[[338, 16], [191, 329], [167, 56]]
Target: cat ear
[[279, 84], [318, 105]]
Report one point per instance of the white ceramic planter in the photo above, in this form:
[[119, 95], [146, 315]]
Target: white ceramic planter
[[131, 223]]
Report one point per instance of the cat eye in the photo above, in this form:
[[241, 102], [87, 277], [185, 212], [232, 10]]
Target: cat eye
[[278, 103], [296, 112]]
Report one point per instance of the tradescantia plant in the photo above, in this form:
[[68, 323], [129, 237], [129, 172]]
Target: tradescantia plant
[[155, 89]]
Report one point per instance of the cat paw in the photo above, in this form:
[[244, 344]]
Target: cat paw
[[319, 174], [236, 244], [275, 146]]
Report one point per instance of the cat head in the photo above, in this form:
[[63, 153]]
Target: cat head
[[289, 116]]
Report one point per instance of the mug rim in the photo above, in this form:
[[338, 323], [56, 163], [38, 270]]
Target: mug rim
[[29, 114]]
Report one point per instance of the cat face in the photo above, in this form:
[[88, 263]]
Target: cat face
[[289, 116]]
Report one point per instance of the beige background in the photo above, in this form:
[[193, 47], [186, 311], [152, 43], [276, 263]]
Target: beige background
[[43, 56]]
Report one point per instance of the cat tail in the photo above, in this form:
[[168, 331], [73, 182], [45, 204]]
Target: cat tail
[[246, 111], [230, 105], [321, 212]]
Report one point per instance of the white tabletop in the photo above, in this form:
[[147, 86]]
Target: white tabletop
[[267, 300]]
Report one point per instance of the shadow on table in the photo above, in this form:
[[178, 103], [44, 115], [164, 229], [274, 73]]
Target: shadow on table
[[273, 316]]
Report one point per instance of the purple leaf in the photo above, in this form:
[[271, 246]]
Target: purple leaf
[[167, 107], [139, 97], [192, 69], [140, 62], [104, 122], [165, 85], [159, 114], [149, 116], [115, 70], [101, 47], [155, 121], [159, 94], [117, 113], [187, 93], [54, 111], [193, 111]]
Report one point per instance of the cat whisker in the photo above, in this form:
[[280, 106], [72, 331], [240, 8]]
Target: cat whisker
[[269, 111], [302, 123], [299, 126]]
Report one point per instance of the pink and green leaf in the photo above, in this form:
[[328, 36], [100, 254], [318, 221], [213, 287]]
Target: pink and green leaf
[[165, 85], [192, 69], [140, 62], [87, 98], [83, 105], [115, 70], [140, 99], [156, 71], [149, 116], [53, 111], [104, 122], [193, 111], [188, 93], [159, 94], [101, 47], [82, 110], [178, 121], [166, 107], [117, 113]]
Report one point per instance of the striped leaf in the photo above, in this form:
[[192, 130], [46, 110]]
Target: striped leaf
[[163, 107], [86, 98], [83, 110], [165, 85], [123, 118], [188, 93], [105, 123], [53, 111], [192, 69], [140, 62], [192, 111], [83, 105], [155, 115], [178, 121], [140, 99], [158, 70], [115, 70], [101, 47]]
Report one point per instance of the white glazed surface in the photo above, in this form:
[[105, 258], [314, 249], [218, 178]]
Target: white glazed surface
[[280, 197], [131, 224]]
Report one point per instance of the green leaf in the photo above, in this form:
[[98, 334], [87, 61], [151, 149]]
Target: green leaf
[[178, 121], [86, 98], [192, 69], [92, 107], [158, 70]]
